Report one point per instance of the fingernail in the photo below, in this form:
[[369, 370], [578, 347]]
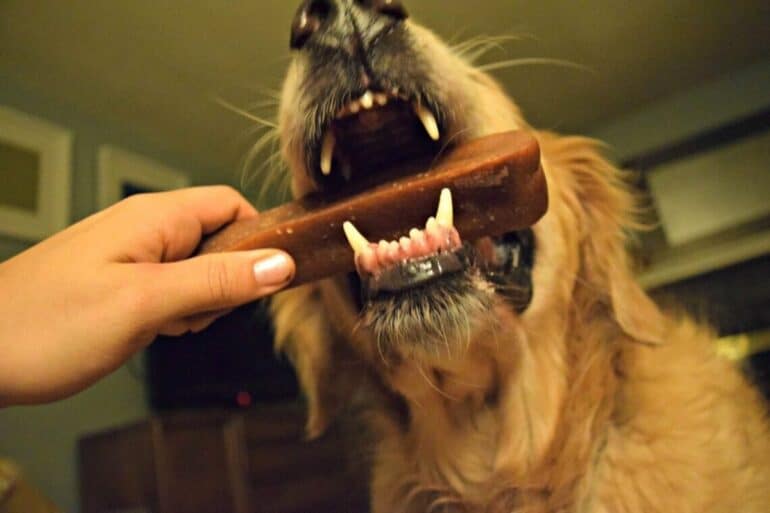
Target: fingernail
[[273, 270]]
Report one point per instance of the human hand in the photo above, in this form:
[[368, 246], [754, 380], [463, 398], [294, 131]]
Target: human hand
[[78, 305]]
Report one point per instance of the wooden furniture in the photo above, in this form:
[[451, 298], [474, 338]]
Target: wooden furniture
[[18, 496], [251, 461]]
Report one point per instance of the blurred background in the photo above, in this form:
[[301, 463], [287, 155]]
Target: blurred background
[[102, 99]]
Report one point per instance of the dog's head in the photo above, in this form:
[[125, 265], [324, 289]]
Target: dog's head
[[368, 89]]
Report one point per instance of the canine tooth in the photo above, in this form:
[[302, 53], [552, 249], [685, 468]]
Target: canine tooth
[[327, 152], [357, 241], [445, 214], [367, 100], [381, 99], [428, 121]]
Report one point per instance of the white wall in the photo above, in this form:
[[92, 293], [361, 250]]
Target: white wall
[[677, 117]]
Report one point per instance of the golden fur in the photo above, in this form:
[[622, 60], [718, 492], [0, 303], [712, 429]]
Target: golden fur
[[590, 401]]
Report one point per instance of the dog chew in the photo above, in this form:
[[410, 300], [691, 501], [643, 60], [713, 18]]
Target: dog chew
[[497, 184]]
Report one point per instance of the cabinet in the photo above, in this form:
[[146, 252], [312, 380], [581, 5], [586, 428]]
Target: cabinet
[[253, 461]]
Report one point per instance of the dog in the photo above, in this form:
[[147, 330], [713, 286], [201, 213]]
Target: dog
[[539, 377]]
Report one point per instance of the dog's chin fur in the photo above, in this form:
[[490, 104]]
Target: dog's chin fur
[[434, 321], [592, 400]]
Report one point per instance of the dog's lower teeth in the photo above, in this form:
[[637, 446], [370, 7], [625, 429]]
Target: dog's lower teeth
[[438, 236], [445, 214]]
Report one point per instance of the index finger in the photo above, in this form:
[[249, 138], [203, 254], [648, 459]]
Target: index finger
[[213, 206]]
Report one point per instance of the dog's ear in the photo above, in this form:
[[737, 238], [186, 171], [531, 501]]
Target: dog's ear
[[327, 371], [607, 211], [635, 312]]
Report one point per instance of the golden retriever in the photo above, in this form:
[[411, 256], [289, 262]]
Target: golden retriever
[[540, 377]]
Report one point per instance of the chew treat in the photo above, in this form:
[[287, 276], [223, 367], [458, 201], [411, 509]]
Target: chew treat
[[485, 187]]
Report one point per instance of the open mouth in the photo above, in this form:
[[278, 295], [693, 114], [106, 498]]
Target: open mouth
[[389, 267], [378, 131], [374, 131]]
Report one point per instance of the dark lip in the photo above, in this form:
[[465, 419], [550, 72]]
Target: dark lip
[[416, 273]]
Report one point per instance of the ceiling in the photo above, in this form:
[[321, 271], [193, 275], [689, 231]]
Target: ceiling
[[154, 67]]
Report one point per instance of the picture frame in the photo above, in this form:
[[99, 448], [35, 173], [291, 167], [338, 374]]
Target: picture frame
[[36, 165], [123, 173]]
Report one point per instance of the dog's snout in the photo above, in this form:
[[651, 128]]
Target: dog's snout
[[335, 22]]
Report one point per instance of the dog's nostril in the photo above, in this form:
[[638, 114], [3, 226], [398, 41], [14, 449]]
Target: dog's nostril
[[309, 18], [393, 8]]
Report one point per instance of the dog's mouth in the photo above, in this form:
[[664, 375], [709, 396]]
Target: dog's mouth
[[389, 268], [379, 135], [371, 132]]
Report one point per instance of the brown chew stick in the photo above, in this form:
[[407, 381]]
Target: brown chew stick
[[497, 185]]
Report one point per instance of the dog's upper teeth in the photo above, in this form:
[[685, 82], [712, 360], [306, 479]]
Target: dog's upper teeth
[[445, 213], [428, 120], [367, 100], [357, 241], [327, 152], [381, 99], [354, 107]]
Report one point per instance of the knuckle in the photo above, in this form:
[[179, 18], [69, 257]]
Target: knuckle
[[226, 189], [220, 282], [138, 301], [137, 200]]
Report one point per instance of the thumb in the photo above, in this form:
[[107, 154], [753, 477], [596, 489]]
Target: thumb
[[220, 281]]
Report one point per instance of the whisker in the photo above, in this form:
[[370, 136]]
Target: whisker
[[432, 385], [248, 115], [445, 146], [475, 47], [514, 63]]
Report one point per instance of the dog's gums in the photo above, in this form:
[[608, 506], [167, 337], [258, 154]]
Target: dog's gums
[[439, 235]]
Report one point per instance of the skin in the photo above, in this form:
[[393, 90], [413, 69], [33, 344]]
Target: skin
[[76, 306]]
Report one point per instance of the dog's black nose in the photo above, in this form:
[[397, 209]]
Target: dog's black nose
[[336, 19], [310, 17], [392, 8]]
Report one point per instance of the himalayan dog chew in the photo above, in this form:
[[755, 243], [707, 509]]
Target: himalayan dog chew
[[539, 378]]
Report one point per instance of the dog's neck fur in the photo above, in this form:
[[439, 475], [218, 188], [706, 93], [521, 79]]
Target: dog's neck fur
[[512, 418]]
